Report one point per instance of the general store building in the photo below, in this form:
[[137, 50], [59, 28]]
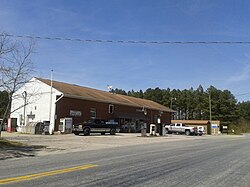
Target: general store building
[[42, 100]]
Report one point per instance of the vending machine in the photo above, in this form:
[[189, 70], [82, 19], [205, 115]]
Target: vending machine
[[65, 125]]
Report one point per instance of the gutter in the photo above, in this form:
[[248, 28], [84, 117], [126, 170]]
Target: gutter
[[59, 98]]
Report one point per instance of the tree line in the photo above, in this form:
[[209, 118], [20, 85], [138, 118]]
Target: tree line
[[193, 104]]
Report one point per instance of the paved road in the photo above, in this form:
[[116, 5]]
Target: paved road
[[206, 161]]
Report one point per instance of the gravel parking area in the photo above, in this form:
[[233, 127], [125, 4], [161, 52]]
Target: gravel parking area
[[56, 144]]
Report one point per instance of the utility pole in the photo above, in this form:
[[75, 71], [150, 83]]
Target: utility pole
[[50, 105], [210, 108], [24, 107], [171, 102]]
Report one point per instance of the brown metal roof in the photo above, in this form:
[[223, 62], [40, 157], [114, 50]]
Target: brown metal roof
[[201, 122], [75, 91]]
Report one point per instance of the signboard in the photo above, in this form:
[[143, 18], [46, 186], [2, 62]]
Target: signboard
[[75, 113], [214, 126], [31, 116]]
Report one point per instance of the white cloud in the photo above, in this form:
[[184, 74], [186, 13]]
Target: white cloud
[[241, 76], [194, 7]]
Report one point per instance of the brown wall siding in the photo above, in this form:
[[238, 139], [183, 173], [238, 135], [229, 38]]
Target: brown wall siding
[[65, 104]]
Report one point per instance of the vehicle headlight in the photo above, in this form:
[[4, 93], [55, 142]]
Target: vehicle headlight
[[80, 126]]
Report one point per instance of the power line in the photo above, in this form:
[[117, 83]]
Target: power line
[[242, 94], [124, 41]]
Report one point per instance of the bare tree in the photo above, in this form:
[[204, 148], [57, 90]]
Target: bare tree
[[15, 67]]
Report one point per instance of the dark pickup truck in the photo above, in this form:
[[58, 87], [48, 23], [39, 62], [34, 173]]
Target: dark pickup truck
[[96, 126]]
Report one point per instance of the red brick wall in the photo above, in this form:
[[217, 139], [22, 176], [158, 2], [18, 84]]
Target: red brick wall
[[65, 104]]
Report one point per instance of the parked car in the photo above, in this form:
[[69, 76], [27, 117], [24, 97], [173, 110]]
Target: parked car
[[200, 130], [96, 126], [180, 128]]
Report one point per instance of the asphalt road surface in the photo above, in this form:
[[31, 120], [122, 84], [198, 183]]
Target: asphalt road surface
[[206, 161]]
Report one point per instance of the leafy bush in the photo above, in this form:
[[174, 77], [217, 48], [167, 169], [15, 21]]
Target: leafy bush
[[241, 126]]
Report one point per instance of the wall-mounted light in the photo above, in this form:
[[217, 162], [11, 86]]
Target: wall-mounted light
[[171, 101]]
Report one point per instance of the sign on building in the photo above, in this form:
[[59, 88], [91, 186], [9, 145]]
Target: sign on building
[[214, 126], [75, 113]]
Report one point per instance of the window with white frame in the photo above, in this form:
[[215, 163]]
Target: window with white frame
[[93, 113], [111, 108]]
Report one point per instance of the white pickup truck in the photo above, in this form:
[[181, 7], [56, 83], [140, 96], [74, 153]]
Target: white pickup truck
[[180, 128]]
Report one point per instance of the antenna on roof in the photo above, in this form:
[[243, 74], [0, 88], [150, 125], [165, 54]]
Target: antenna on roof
[[110, 88]]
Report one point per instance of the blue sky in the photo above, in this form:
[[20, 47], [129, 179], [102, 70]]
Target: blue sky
[[137, 66]]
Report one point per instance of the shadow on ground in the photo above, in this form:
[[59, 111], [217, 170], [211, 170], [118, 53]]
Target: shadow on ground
[[10, 150]]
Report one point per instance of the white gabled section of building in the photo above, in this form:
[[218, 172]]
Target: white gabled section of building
[[37, 96]]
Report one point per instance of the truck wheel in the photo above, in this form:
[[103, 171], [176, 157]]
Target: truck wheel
[[166, 130], [86, 132], [187, 133], [112, 132]]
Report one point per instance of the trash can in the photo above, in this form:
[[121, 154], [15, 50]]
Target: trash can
[[46, 127], [160, 129], [144, 130], [163, 129]]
